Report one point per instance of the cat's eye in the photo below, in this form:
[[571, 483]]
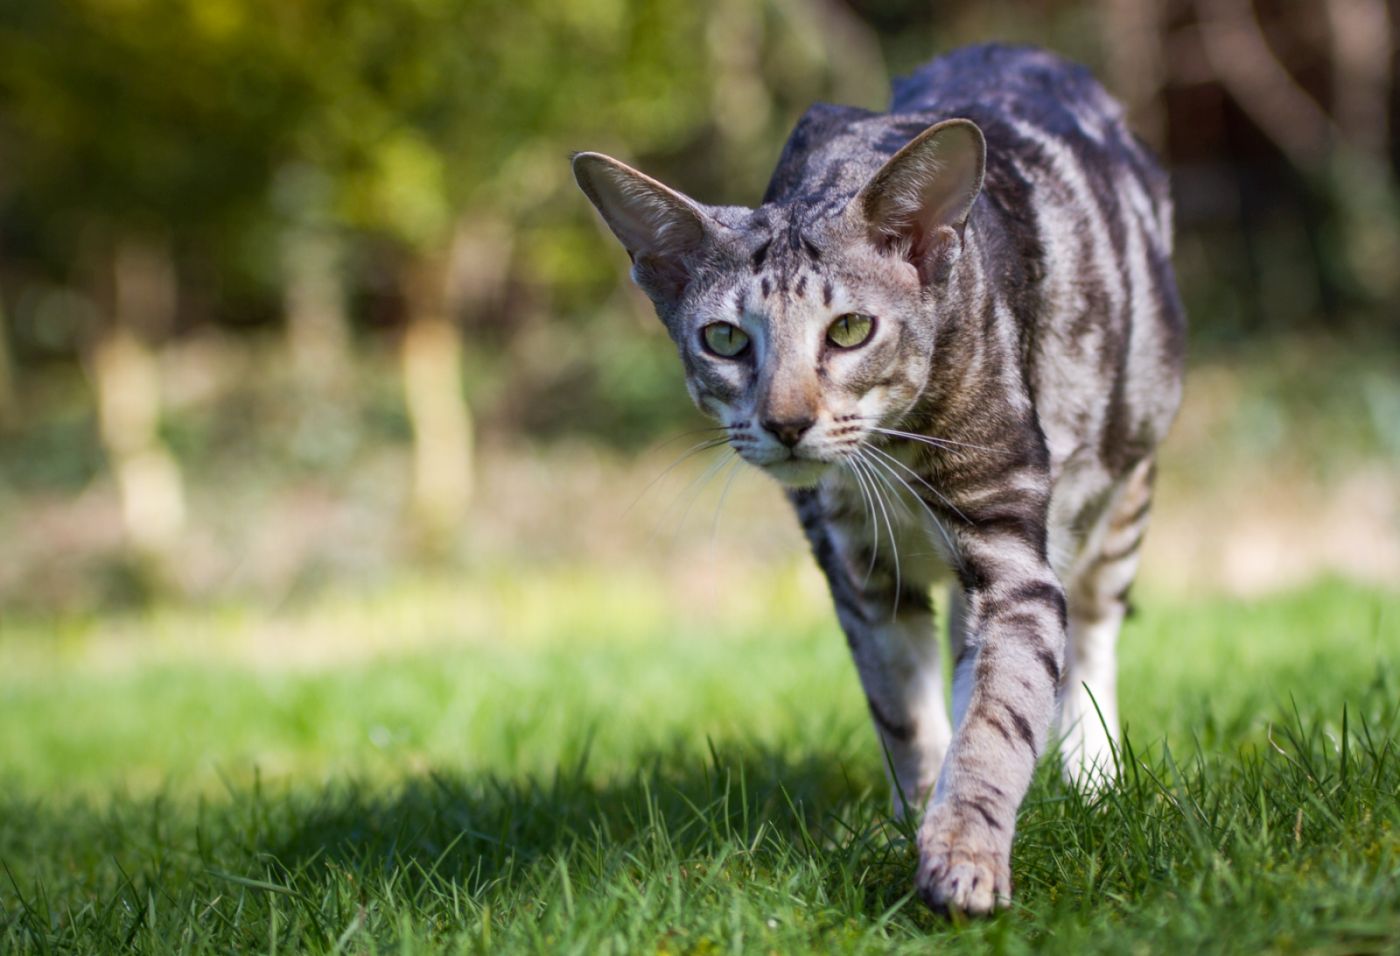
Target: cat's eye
[[725, 339], [850, 330]]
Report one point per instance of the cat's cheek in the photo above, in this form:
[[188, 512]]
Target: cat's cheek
[[708, 404], [871, 406]]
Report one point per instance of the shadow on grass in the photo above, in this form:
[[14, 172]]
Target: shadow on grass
[[674, 811]]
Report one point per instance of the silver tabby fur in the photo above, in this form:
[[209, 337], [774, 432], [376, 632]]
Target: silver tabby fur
[[1012, 240]]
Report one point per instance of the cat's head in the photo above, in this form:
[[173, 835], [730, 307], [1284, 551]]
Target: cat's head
[[803, 326]]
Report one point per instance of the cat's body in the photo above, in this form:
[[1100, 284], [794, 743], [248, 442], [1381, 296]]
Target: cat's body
[[1011, 309]]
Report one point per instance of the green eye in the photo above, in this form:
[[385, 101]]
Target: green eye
[[725, 339], [850, 330]]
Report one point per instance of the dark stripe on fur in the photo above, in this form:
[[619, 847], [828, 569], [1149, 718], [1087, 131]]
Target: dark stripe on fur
[[892, 728], [982, 811], [760, 254], [1118, 554], [999, 727], [1038, 592], [1023, 726]]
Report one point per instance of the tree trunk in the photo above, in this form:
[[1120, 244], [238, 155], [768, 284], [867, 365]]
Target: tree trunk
[[1361, 186], [9, 399], [431, 360], [127, 382], [318, 331], [1137, 72]]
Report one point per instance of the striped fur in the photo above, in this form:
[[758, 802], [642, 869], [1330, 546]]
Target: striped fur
[[1012, 241]]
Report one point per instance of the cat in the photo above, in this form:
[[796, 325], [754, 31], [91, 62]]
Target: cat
[[952, 332]]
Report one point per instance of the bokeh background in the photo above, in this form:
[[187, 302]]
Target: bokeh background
[[299, 298]]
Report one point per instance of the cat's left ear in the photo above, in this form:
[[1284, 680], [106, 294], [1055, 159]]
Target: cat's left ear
[[920, 199]]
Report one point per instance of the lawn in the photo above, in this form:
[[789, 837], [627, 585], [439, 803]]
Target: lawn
[[569, 763]]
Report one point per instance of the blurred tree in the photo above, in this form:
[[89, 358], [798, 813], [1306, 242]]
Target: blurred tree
[[441, 121], [312, 253], [9, 412], [137, 127], [1348, 166]]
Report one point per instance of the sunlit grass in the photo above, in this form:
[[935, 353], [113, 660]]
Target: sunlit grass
[[573, 768]]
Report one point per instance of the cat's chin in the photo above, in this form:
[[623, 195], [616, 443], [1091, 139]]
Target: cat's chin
[[798, 472]]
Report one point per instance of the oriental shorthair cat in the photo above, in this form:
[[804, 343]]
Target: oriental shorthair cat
[[951, 331]]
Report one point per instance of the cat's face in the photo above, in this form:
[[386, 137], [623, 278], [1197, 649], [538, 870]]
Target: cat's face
[[803, 342], [801, 334]]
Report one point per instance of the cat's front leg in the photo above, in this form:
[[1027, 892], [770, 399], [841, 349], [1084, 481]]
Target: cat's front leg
[[888, 620], [1004, 691]]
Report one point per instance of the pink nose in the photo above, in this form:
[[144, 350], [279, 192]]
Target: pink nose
[[788, 432]]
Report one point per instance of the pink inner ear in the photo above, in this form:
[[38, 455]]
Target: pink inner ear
[[931, 182], [935, 258], [643, 214]]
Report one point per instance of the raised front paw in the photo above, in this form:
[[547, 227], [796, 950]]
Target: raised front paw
[[964, 859]]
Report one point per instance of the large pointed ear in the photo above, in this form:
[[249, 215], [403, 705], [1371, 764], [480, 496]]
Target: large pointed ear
[[661, 229], [920, 199]]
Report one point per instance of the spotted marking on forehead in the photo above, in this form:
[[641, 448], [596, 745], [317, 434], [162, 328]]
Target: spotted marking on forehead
[[787, 266], [759, 255]]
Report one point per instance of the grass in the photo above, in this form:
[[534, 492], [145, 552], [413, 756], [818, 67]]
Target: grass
[[571, 765]]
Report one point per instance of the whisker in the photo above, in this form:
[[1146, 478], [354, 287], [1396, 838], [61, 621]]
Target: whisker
[[724, 493], [699, 484], [933, 440], [708, 429], [922, 503], [870, 517], [889, 527], [895, 497], [921, 480], [693, 450]]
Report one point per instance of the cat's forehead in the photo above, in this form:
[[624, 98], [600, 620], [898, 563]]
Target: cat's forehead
[[795, 263], [784, 258]]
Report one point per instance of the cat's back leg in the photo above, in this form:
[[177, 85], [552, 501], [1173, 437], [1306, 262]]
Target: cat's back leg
[[1097, 594]]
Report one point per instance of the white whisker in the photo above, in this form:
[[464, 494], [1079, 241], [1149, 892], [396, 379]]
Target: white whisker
[[693, 450], [699, 485], [889, 526], [933, 440], [724, 493], [921, 480], [922, 503], [870, 516]]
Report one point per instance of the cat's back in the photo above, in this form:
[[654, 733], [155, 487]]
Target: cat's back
[[1072, 231], [1021, 82], [1038, 112]]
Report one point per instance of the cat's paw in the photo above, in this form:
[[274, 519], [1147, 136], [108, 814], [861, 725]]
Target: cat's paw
[[964, 861]]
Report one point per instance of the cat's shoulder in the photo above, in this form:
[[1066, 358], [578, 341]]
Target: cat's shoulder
[[827, 139]]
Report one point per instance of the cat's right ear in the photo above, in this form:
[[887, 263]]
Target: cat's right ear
[[662, 230], [921, 198]]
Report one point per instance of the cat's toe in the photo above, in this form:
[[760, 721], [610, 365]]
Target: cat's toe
[[963, 866]]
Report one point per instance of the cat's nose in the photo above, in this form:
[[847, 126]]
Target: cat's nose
[[789, 431]]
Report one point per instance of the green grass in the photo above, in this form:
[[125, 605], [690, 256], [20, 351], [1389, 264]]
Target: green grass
[[574, 766]]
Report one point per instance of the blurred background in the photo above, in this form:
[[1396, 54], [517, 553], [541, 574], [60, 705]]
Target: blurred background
[[300, 297]]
